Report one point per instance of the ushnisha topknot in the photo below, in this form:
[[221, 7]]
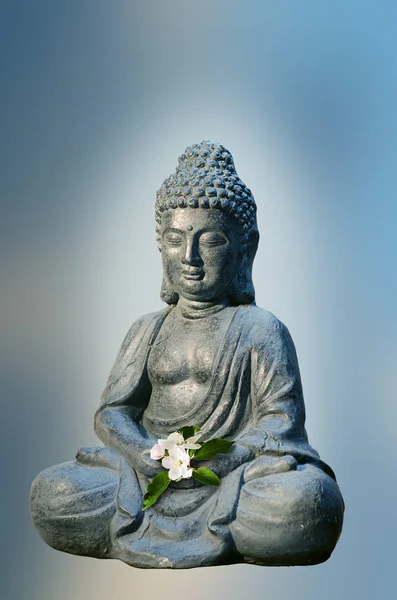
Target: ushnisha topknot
[[206, 178]]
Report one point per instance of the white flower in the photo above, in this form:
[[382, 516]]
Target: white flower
[[178, 463], [177, 439], [159, 449], [174, 440]]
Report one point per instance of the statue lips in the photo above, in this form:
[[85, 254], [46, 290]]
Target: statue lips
[[195, 275]]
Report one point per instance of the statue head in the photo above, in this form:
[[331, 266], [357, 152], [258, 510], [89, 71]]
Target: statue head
[[206, 228]]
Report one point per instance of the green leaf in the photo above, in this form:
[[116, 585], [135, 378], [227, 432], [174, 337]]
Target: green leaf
[[155, 488], [210, 449], [188, 431], [206, 476]]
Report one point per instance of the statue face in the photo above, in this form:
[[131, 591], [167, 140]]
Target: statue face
[[200, 251]]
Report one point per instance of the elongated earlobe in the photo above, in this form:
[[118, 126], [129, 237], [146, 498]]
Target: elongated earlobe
[[167, 293], [241, 289]]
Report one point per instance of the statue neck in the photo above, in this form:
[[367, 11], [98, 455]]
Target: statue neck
[[192, 309]]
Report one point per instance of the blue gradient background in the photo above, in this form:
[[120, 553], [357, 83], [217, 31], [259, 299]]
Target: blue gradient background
[[97, 100]]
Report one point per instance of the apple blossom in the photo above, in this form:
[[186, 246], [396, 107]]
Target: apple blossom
[[177, 439], [178, 463], [175, 454]]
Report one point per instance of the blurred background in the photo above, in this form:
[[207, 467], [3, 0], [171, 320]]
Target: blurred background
[[97, 100]]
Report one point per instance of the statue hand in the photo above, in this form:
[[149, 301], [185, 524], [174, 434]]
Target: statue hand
[[98, 457], [223, 464], [148, 466], [269, 465]]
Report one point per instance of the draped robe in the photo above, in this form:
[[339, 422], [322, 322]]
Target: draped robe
[[292, 515]]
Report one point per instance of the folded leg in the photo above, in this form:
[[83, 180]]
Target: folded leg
[[291, 518], [72, 506]]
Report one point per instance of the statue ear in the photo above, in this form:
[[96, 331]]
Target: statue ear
[[241, 289], [167, 293]]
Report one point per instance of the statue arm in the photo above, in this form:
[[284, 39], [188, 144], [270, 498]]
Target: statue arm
[[116, 428], [223, 464], [117, 421], [277, 435]]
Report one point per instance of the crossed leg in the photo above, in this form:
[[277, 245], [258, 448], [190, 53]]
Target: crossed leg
[[72, 504], [290, 518]]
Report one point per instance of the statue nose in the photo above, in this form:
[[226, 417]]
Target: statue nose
[[191, 255]]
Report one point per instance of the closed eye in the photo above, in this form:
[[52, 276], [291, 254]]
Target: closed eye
[[212, 240], [173, 239]]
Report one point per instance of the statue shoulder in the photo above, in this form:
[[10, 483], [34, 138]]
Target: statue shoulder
[[271, 341], [153, 317], [262, 319], [264, 327], [150, 321]]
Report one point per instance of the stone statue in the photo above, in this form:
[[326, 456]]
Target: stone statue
[[213, 359]]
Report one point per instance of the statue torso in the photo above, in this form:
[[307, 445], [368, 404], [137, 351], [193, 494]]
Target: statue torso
[[181, 361]]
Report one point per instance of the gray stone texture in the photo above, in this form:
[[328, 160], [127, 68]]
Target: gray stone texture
[[211, 358]]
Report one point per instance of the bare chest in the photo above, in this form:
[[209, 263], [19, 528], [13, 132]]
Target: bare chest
[[186, 350]]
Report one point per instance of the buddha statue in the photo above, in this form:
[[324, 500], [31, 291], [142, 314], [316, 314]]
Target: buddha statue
[[213, 359]]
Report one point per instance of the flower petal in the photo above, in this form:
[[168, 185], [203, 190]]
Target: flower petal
[[175, 472], [186, 460], [177, 453], [167, 462], [157, 452], [193, 439], [187, 473], [176, 437], [167, 444], [191, 446]]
